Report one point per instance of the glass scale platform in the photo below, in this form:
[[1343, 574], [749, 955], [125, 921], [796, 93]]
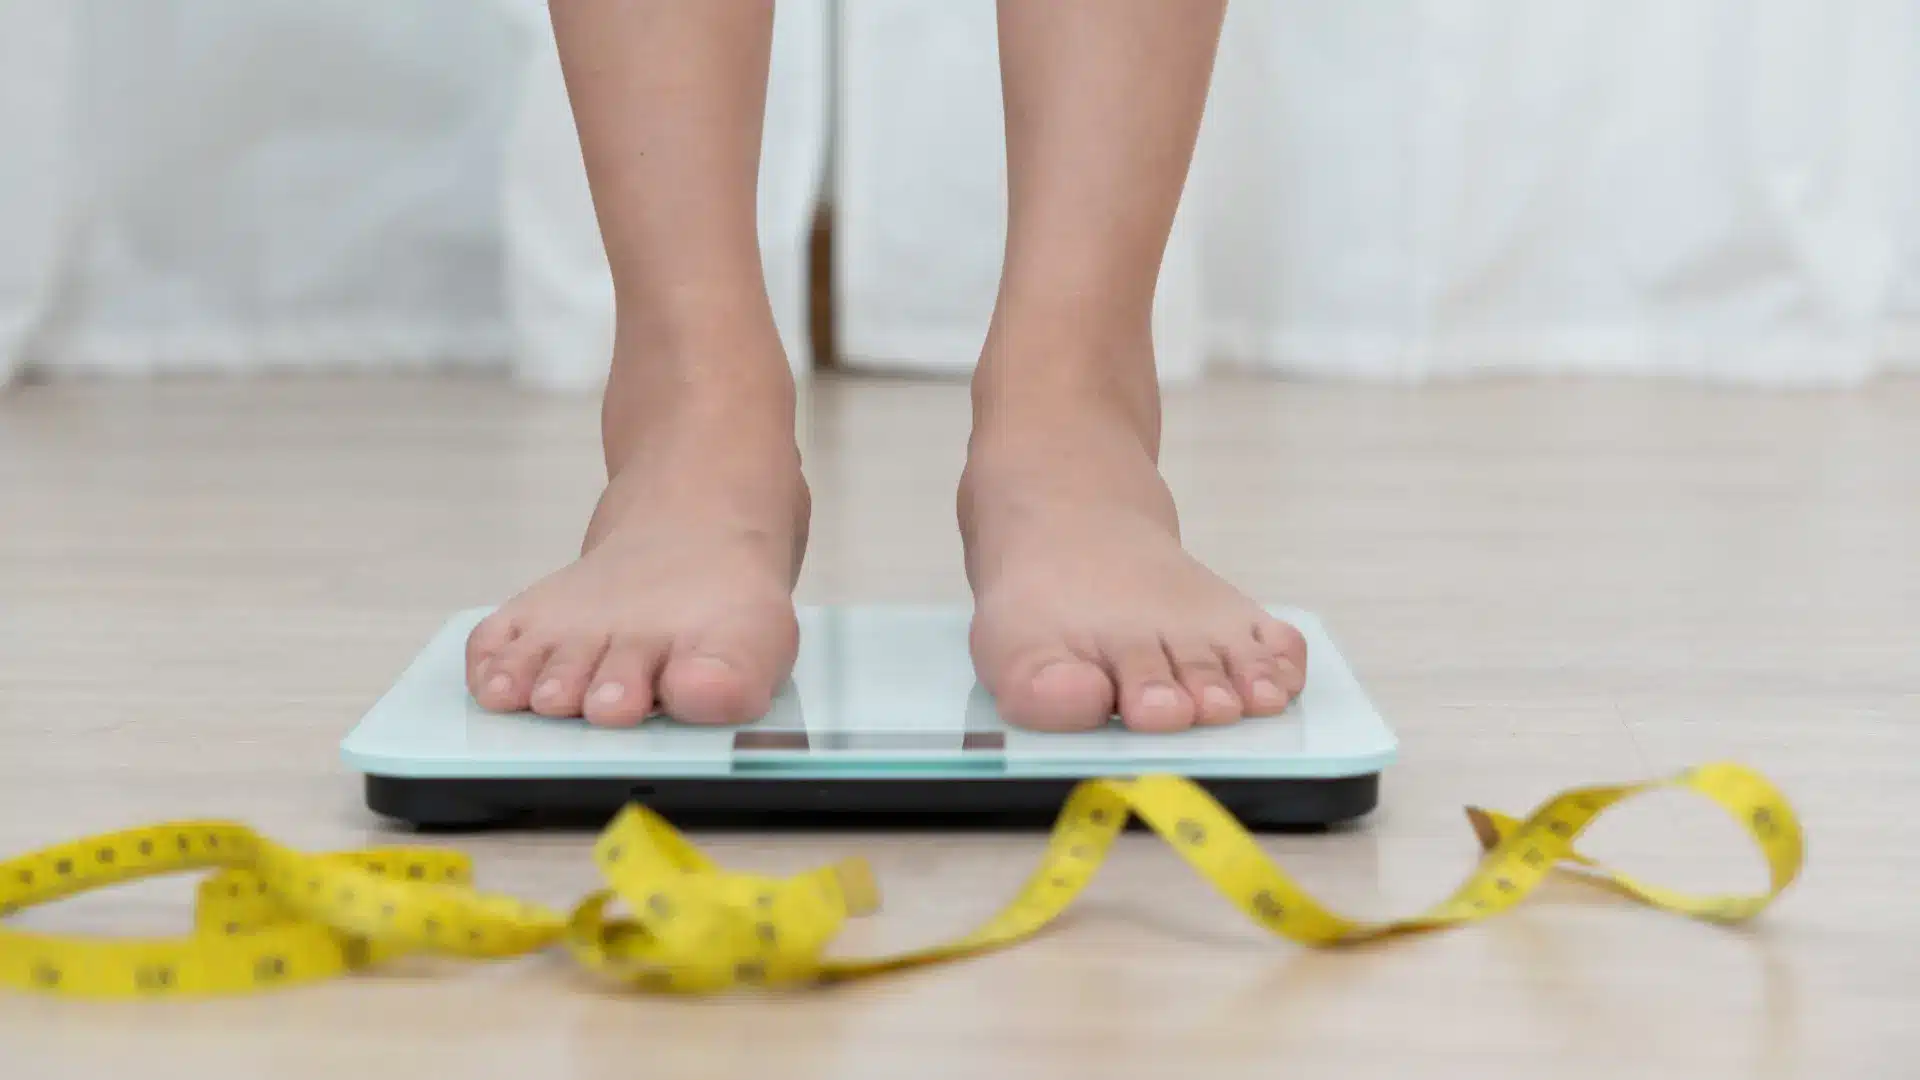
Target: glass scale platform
[[881, 721]]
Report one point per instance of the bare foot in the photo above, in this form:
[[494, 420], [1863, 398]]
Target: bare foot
[[681, 601], [1086, 605]]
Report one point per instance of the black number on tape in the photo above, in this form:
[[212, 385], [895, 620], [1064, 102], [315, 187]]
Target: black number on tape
[[326, 935], [153, 977]]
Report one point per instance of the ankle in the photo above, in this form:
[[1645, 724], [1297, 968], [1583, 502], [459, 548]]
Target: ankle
[[698, 338], [1062, 375], [1062, 447], [723, 388], [719, 445]]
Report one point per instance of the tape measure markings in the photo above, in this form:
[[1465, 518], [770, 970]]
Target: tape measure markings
[[269, 916]]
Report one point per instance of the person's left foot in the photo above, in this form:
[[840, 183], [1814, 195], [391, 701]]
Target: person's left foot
[[1086, 605]]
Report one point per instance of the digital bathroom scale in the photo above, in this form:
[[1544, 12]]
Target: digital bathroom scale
[[882, 719]]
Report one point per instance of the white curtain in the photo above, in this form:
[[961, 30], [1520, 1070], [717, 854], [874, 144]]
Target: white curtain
[[257, 185], [1400, 189], [36, 46], [1393, 189]]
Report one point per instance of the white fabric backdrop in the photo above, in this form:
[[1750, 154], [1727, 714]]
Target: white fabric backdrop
[[279, 184], [1397, 189], [1419, 188], [259, 185]]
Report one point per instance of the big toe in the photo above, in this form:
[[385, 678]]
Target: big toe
[[1047, 690], [729, 675]]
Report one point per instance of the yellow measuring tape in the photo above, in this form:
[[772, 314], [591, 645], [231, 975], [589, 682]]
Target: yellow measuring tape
[[271, 917]]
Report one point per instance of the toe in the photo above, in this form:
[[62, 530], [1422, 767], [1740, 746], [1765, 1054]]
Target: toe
[[729, 674], [1151, 698], [702, 688], [1202, 672], [489, 636], [506, 681], [621, 691], [1264, 682], [1287, 645], [1049, 689], [562, 682]]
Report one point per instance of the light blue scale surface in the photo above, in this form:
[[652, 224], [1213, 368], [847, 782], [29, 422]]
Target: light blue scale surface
[[877, 691]]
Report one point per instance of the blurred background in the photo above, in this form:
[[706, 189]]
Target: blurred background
[[1722, 190]]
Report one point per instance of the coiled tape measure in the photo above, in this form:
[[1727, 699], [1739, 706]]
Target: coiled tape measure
[[272, 917]]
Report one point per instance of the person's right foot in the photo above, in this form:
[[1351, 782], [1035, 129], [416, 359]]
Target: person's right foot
[[681, 601]]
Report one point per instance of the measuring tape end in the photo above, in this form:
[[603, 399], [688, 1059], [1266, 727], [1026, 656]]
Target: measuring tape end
[[1484, 828]]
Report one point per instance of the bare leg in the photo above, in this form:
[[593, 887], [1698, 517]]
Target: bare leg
[[681, 599], [1086, 604]]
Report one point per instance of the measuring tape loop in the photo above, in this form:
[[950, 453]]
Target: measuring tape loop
[[670, 920], [694, 927]]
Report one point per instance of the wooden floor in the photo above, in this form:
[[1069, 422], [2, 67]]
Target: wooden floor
[[202, 585]]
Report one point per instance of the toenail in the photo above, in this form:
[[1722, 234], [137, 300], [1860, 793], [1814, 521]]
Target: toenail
[[1267, 693], [1217, 699], [608, 693], [499, 684], [1158, 697], [548, 689]]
